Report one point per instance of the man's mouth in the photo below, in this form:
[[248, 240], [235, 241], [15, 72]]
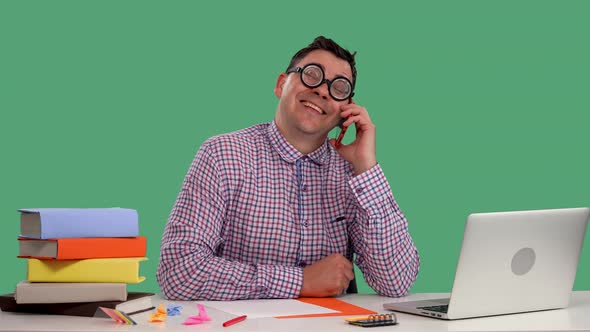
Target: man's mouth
[[313, 106]]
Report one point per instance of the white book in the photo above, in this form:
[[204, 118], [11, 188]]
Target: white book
[[66, 292]]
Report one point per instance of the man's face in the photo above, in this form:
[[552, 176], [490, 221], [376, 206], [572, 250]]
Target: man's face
[[310, 111]]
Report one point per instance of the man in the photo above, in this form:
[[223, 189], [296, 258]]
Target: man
[[277, 210]]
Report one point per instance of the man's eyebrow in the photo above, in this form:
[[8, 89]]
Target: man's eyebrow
[[324, 69], [337, 74], [344, 75]]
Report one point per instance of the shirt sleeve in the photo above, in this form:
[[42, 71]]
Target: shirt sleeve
[[189, 268], [385, 251]]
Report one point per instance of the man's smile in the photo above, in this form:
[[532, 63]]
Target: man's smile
[[313, 106]]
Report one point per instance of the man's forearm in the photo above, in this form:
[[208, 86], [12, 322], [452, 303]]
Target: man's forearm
[[201, 276], [385, 251]]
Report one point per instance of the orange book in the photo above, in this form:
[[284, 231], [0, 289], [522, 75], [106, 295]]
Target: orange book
[[82, 248]]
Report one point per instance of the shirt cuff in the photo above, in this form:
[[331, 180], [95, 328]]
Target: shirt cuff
[[281, 282]]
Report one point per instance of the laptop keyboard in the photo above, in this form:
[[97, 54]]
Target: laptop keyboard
[[436, 308]]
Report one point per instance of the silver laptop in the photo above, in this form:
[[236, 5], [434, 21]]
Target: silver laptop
[[511, 262]]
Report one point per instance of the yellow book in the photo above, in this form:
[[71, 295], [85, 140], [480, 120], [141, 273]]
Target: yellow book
[[124, 270]]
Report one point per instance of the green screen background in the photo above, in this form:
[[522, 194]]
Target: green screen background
[[479, 106]]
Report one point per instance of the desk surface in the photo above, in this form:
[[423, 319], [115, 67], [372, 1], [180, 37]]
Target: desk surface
[[575, 317]]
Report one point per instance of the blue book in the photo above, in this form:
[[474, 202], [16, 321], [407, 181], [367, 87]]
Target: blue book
[[73, 223]]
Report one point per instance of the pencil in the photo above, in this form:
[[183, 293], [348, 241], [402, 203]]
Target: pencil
[[234, 321]]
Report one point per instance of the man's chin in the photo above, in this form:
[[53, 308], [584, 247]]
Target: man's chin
[[315, 131], [314, 127]]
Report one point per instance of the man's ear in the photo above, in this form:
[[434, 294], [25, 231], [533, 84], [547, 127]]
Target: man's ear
[[281, 80]]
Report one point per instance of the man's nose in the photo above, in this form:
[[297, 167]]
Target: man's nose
[[322, 91]]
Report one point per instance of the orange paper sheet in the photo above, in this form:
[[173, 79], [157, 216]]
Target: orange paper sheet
[[343, 308]]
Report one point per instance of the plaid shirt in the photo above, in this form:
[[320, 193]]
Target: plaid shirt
[[253, 211]]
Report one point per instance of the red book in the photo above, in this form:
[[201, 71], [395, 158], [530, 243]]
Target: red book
[[82, 248]]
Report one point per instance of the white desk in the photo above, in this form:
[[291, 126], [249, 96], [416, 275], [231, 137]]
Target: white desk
[[576, 317]]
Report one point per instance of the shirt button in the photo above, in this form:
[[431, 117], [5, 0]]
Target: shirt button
[[305, 223], [360, 190], [304, 187]]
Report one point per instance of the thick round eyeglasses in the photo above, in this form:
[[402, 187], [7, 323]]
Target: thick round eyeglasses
[[312, 75]]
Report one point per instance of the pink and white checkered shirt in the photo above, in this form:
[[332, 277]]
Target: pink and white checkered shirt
[[253, 211]]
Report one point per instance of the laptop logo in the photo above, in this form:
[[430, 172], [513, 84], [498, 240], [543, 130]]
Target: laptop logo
[[523, 261]]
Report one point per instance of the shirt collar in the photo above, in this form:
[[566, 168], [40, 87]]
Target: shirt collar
[[289, 153]]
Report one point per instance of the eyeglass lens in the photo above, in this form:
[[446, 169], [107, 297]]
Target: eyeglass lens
[[313, 76]]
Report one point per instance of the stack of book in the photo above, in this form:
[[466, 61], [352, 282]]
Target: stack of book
[[78, 260]]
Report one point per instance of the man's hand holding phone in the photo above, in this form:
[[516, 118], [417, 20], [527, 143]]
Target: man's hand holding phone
[[361, 152]]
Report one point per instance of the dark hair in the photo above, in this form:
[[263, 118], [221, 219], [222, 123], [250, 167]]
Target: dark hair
[[327, 44]]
